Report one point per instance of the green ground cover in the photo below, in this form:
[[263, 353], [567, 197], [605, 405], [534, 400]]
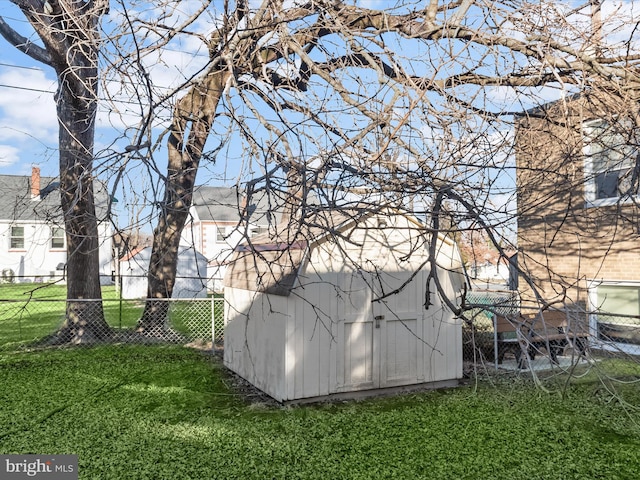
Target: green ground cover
[[167, 413], [24, 291]]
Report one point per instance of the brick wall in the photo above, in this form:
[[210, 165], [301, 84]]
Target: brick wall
[[563, 243]]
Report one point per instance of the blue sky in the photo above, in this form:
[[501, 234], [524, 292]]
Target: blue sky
[[28, 127], [29, 130]]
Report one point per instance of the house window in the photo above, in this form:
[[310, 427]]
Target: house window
[[220, 231], [610, 160], [618, 312], [57, 238], [257, 231], [17, 237]]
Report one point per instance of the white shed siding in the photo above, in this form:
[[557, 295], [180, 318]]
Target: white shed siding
[[402, 334], [309, 335], [355, 333], [330, 336], [255, 340], [445, 334], [190, 275]]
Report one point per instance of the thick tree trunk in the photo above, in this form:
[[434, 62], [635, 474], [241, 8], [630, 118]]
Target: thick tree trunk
[[76, 107], [166, 241], [197, 110], [71, 39]]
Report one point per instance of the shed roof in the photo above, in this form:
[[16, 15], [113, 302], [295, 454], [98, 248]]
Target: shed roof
[[270, 262]]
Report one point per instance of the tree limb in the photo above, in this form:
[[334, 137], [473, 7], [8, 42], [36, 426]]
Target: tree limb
[[24, 44]]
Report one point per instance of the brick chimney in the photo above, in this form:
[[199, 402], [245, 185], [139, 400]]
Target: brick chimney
[[35, 183]]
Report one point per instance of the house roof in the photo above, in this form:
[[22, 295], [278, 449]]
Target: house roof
[[227, 204], [16, 203], [545, 108], [132, 253]]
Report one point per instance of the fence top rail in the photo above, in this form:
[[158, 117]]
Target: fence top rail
[[478, 291]]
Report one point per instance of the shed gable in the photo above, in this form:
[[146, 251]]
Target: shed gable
[[266, 268]]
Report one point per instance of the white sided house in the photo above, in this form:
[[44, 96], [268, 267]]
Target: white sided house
[[191, 274], [338, 310], [220, 218], [33, 246]]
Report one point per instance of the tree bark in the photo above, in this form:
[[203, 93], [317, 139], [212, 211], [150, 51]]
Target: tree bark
[[194, 112], [85, 320], [71, 38]]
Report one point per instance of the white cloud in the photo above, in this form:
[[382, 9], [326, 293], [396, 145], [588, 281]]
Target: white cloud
[[127, 98], [9, 155], [520, 99], [620, 21], [26, 106]]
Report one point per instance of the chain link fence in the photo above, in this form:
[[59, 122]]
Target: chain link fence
[[618, 328], [37, 322], [477, 332], [33, 315], [616, 333], [604, 332]]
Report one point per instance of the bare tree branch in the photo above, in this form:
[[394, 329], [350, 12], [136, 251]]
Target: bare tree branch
[[24, 44]]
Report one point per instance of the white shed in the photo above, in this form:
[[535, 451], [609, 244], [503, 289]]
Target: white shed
[[191, 274], [331, 314]]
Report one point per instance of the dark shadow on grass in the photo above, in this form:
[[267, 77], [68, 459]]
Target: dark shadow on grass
[[115, 337]]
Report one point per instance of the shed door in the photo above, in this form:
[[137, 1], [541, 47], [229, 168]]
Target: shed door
[[379, 341]]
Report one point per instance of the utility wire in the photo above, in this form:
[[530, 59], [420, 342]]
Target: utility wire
[[20, 66], [50, 92], [26, 88], [37, 90]]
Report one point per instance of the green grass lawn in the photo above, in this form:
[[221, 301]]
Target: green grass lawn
[[25, 291], [133, 412], [31, 311]]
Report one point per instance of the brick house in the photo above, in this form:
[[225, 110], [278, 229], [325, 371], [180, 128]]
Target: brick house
[[578, 214]]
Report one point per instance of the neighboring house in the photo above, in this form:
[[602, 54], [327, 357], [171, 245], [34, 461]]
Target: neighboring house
[[490, 273], [486, 268], [578, 216], [191, 274], [32, 236], [220, 218], [339, 307]]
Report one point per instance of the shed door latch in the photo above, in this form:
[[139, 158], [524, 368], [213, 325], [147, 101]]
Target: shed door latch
[[377, 318]]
